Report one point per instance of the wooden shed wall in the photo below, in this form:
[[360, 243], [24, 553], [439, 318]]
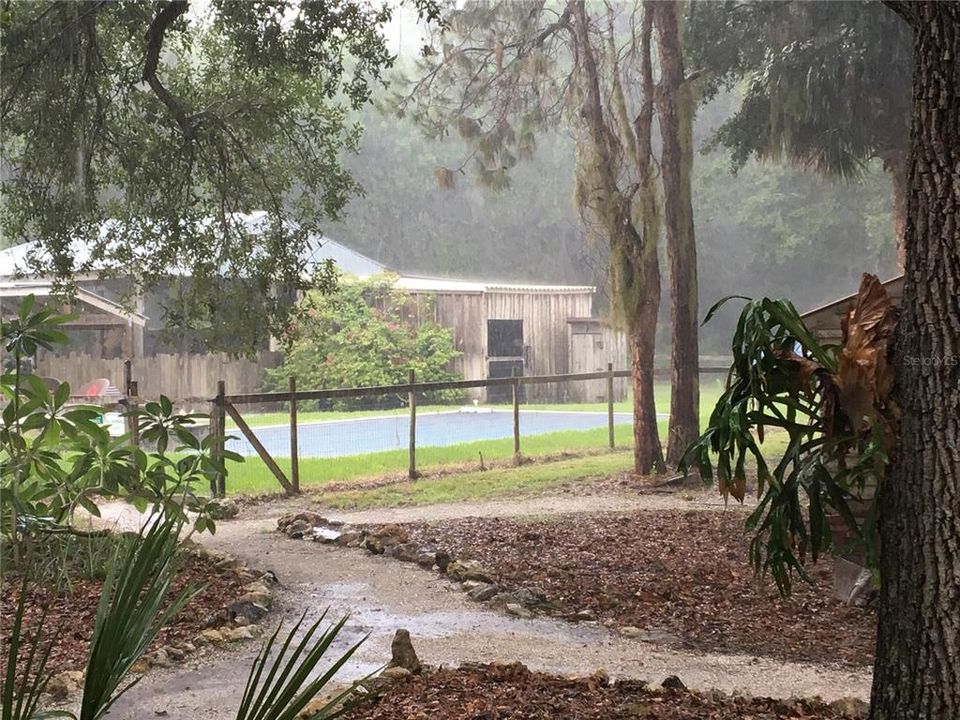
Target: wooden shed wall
[[465, 315], [593, 344], [544, 316]]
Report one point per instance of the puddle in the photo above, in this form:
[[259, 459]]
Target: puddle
[[368, 615]]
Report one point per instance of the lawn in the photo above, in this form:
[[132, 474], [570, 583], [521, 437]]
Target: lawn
[[480, 484], [253, 477]]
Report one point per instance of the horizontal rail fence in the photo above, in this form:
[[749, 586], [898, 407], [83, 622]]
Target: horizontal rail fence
[[405, 398]]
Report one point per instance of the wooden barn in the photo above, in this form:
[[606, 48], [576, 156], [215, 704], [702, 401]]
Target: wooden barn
[[504, 329], [501, 329]]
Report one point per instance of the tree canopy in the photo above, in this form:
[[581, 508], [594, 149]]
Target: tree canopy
[[173, 124], [826, 85]]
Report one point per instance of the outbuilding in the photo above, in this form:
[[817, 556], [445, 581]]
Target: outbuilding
[[501, 329]]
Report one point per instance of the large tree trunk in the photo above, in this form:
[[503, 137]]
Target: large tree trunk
[[917, 672], [647, 451], [675, 104], [635, 270]]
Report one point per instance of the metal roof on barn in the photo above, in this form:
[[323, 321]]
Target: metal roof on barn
[[14, 262]]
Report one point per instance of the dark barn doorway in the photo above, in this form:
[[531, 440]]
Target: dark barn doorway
[[504, 357]]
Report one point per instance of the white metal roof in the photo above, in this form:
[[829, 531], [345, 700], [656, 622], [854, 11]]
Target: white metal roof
[[14, 262], [448, 285]]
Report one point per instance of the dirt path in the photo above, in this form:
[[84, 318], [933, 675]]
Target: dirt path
[[551, 504], [382, 595]]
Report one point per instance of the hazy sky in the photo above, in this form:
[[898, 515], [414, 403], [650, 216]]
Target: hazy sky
[[403, 33]]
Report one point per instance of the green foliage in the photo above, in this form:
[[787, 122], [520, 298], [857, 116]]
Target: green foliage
[[62, 559], [774, 230], [22, 687], [283, 695], [133, 607], [367, 333], [827, 83], [172, 124], [56, 458], [494, 77], [135, 604], [782, 378]]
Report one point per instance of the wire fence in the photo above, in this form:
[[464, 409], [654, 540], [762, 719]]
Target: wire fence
[[344, 432]]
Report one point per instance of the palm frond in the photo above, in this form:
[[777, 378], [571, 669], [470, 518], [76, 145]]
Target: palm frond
[[132, 609], [287, 689], [21, 691]]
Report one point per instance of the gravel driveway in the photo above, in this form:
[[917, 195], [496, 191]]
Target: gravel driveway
[[381, 595]]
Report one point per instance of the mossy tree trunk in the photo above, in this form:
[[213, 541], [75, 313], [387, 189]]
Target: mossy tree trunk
[[627, 217]]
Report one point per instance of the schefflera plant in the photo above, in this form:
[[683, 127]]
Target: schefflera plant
[[833, 408], [55, 457]]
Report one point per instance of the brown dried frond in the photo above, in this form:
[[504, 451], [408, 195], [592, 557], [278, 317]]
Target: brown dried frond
[[864, 377]]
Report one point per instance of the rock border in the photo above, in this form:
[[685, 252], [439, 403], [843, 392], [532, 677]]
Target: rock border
[[468, 576]]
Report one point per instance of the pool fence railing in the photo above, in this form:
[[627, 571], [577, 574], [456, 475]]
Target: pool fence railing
[[224, 405]]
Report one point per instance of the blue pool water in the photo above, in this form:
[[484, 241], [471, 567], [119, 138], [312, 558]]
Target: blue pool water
[[337, 438]]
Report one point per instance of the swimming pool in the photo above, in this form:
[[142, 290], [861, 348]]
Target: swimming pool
[[338, 438]]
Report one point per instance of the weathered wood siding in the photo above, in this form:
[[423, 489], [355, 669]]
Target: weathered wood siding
[[179, 377], [464, 314], [593, 344], [544, 315]]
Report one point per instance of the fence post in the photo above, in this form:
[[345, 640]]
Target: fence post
[[294, 455], [516, 419], [610, 403], [218, 426], [412, 401], [133, 406]]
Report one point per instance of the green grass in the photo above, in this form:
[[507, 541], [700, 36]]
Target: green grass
[[253, 477], [477, 485]]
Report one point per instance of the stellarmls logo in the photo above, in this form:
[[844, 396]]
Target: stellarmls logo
[[933, 360]]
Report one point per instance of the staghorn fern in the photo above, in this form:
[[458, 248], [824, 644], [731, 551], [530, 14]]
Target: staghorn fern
[[833, 403]]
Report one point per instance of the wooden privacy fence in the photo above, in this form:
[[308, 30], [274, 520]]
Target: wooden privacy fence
[[227, 404], [180, 377]]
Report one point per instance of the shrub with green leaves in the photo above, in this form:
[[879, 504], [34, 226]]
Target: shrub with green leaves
[[366, 333], [55, 458]]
